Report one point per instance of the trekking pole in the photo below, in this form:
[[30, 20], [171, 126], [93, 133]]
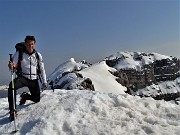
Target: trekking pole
[[52, 86], [12, 79]]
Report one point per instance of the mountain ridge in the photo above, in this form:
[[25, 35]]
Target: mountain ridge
[[133, 70]]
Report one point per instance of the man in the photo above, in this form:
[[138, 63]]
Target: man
[[28, 76]]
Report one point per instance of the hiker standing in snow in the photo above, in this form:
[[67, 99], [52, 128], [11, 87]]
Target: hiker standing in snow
[[30, 69]]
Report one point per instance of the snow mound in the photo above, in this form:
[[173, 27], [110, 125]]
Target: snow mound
[[92, 113]]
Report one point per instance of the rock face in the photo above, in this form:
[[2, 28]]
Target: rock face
[[87, 84], [166, 69]]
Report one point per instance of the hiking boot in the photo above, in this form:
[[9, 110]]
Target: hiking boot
[[12, 114], [24, 96]]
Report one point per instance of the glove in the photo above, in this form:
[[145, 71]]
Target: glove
[[44, 86]]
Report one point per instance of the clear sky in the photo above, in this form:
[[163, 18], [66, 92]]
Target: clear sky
[[88, 29]]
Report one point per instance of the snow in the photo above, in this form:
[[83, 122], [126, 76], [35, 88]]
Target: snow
[[92, 113], [102, 79], [170, 86]]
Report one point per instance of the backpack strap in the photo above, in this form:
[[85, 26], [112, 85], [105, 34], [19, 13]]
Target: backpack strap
[[38, 66], [20, 47], [19, 69]]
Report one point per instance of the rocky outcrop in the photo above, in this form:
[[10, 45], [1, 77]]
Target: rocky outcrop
[[166, 69], [87, 84], [66, 76], [73, 80]]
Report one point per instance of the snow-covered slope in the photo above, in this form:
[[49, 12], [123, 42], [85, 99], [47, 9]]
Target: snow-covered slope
[[102, 79], [92, 113]]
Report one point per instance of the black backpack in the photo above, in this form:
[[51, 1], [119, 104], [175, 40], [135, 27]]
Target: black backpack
[[21, 48]]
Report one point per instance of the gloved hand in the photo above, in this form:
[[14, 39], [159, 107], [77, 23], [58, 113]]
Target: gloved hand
[[44, 86], [11, 65]]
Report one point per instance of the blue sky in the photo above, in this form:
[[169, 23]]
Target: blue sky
[[89, 30]]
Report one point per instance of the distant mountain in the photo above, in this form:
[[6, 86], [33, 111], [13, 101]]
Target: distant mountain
[[136, 73], [3, 87], [133, 60]]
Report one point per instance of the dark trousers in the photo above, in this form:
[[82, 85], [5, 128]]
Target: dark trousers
[[20, 82]]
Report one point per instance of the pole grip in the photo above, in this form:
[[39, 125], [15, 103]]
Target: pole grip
[[10, 57]]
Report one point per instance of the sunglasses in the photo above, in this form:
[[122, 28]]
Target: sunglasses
[[30, 37]]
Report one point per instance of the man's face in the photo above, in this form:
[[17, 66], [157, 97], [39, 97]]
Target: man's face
[[30, 45]]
